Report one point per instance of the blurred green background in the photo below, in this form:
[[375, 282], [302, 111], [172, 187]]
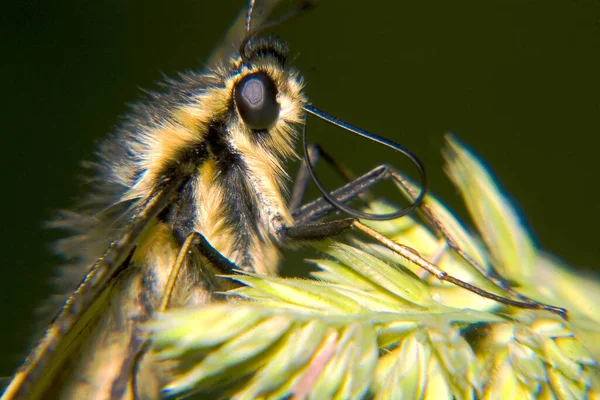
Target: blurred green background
[[518, 80]]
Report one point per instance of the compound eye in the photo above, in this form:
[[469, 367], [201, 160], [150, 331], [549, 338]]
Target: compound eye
[[256, 100]]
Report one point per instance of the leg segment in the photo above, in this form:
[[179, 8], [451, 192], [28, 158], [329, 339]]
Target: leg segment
[[316, 153], [416, 258], [321, 207], [317, 231]]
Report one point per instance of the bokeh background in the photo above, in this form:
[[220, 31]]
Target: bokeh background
[[518, 80]]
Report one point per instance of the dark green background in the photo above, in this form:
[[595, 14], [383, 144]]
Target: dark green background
[[516, 79]]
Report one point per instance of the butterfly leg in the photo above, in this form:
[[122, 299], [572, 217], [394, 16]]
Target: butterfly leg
[[307, 229]]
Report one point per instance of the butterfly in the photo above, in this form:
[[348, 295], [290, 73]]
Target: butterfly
[[190, 186]]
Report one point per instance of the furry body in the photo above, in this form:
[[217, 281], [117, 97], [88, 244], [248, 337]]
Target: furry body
[[232, 193]]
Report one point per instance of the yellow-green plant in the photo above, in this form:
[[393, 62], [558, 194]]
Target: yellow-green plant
[[370, 324]]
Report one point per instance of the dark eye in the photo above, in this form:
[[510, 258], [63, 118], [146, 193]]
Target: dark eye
[[256, 100]]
